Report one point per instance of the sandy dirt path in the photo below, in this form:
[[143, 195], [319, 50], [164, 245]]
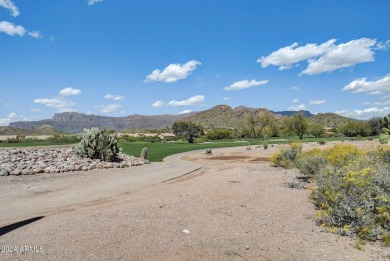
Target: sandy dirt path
[[236, 209]]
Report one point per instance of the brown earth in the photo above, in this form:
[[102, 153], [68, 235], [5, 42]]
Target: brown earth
[[236, 207]]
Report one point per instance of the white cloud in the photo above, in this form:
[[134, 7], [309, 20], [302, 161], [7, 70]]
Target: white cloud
[[387, 102], [110, 108], [195, 100], [173, 72], [35, 110], [8, 4], [287, 56], [383, 45], [297, 108], [317, 102], [123, 112], [294, 88], [366, 113], [69, 91], [11, 29], [244, 84], [35, 34], [185, 111], [295, 100], [158, 104], [4, 121], [12, 115], [114, 97], [325, 57], [342, 56], [60, 104], [92, 2], [372, 87], [226, 99]]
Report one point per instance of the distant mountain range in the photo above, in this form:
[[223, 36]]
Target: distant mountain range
[[220, 116]]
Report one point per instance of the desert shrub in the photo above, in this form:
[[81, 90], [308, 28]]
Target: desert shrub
[[322, 142], [341, 154], [353, 189], [63, 139], [311, 162], [13, 140], [354, 200], [286, 156], [219, 134], [97, 144]]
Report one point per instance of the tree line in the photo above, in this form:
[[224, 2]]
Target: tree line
[[263, 124]]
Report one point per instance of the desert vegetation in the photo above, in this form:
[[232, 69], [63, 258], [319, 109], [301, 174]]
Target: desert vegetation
[[98, 144], [352, 187]]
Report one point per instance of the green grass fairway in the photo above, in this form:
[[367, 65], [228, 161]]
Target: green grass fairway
[[158, 151]]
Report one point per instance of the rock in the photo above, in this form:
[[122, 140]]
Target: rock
[[108, 165], [27, 172], [77, 167], [4, 172], [99, 165], [33, 161]]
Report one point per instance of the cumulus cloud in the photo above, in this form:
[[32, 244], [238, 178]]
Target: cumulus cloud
[[287, 56], [371, 87], [317, 102], [12, 115], [35, 34], [195, 100], [226, 99], [158, 104], [342, 56], [69, 91], [58, 103], [185, 111], [295, 100], [366, 113], [297, 108], [11, 29], [35, 110], [114, 97], [294, 88], [110, 108], [8, 4], [244, 84], [92, 2], [173, 72], [326, 57]]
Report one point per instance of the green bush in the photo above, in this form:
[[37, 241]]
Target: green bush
[[97, 144]]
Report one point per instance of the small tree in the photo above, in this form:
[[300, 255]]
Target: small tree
[[298, 124], [187, 130], [257, 122], [97, 144], [316, 129]]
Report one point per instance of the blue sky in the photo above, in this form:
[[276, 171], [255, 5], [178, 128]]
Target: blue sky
[[117, 58]]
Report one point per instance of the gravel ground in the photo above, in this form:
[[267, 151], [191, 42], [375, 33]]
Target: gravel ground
[[230, 209]]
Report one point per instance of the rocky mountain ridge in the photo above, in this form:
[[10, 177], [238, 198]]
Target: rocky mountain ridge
[[220, 116]]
